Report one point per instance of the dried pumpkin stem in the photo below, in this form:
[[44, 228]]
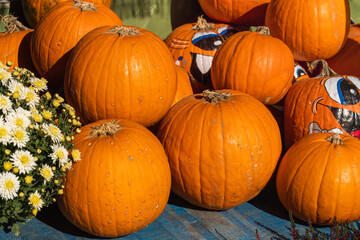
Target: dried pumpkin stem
[[84, 6], [124, 31], [326, 71], [202, 24], [12, 24], [335, 139], [106, 129], [214, 96], [263, 30]]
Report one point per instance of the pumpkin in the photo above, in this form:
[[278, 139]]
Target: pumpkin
[[344, 62], [222, 147], [34, 10], [122, 182], [239, 12], [15, 43], [312, 29], [248, 60], [326, 103], [121, 72], [184, 88], [318, 179], [193, 46], [59, 31]]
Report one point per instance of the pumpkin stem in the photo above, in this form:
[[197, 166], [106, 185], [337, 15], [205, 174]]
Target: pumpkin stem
[[124, 31], [335, 139], [214, 96], [263, 30], [12, 24], [106, 129], [84, 6], [202, 24], [326, 71]]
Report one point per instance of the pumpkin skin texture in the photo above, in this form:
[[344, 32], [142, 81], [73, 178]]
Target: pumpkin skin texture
[[248, 60], [59, 31], [318, 180], [129, 180], [312, 29], [184, 88], [193, 46], [137, 79], [345, 61], [222, 148], [34, 10], [239, 12]]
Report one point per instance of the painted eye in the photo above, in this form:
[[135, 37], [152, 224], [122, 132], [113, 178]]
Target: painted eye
[[299, 71], [343, 90], [227, 31], [207, 40]]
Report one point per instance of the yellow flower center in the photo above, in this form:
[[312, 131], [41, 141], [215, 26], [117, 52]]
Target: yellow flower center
[[19, 135], [19, 122], [37, 117], [28, 179], [9, 184], [3, 132], [75, 154], [54, 131], [3, 101], [30, 96], [46, 173], [60, 154], [35, 200], [24, 159], [7, 166], [47, 115]]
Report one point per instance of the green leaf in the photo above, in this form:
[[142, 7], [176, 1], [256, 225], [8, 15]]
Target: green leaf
[[15, 228], [4, 220]]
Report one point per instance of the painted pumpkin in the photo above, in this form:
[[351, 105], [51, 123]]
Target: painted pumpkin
[[248, 60], [222, 146], [34, 10], [312, 29], [121, 72], [193, 46], [15, 43], [184, 88], [59, 31], [322, 104], [347, 59], [122, 182], [318, 178], [239, 12]]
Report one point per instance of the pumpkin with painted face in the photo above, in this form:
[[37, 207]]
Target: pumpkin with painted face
[[322, 104], [193, 46]]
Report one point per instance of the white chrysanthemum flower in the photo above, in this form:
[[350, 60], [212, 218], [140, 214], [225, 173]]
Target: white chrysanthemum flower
[[23, 160], [54, 132], [46, 172], [5, 104], [38, 84], [35, 200], [9, 185], [18, 118], [15, 86], [19, 137], [5, 131], [59, 153], [5, 76], [30, 96]]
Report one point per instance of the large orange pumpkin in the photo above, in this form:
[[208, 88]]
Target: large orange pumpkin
[[255, 63], [222, 146], [193, 46], [312, 29], [322, 104], [240, 12], [121, 72], [122, 182], [319, 178], [34, 10]]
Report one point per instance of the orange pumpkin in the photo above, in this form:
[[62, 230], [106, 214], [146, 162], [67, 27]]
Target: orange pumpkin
[[193, 46], [59, 31], [122, 182], [240, 12], [312, 29], [34, 10], [222, 147], [248, 60], [184, 88], [318, 178], [121, 72], [322, 104], [15, 43], [347, 59]]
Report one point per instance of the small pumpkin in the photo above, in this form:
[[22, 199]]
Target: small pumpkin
[[312, 29], [318, 179], [193, 46], [222, 146], [121, 72], [248, 60]]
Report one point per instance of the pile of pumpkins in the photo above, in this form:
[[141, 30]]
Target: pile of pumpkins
[[211, 113]]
